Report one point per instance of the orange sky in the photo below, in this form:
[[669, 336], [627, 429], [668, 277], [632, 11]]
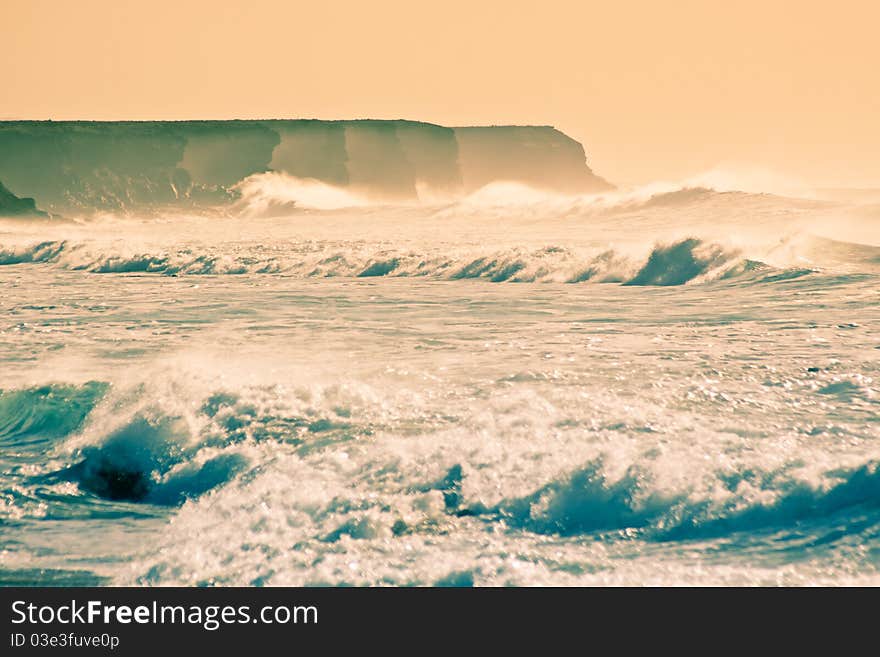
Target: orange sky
[[654, 90]]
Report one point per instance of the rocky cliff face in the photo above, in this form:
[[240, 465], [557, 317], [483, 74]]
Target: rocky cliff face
[[12, 206], [539, 156], [83, 166]]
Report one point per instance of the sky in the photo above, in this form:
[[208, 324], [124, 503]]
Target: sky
[[654, 90]]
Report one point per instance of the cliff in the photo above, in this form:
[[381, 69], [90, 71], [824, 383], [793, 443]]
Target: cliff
[[12, 206], [82, 166]]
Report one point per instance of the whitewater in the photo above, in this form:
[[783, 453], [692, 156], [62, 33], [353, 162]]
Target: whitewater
[[672, 385]]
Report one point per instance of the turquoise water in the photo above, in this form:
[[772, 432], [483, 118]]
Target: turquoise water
[[509, 390]]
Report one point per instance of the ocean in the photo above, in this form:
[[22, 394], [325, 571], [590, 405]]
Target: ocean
[[669, 385]]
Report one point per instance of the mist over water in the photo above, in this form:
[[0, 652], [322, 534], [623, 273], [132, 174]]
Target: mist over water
[[668, 385]]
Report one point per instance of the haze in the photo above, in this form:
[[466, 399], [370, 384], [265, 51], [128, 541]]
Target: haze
[[653, 90]]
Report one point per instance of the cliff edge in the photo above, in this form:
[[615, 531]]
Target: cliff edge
[[70, 166]]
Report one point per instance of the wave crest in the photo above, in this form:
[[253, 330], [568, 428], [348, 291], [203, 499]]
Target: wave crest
[[33, 415], [676, 263], [586, 502]]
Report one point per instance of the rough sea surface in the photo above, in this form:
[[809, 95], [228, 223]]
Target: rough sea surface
[[673, 386]]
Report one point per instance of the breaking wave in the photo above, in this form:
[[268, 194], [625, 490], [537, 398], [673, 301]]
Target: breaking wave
[[278, 193], [133, 447], [41, 252], [160, 455], [44, 413], [586, 502], [689, 260], [339, 468]]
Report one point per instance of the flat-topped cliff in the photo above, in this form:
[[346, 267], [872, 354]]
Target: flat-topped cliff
[[69, 166]]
